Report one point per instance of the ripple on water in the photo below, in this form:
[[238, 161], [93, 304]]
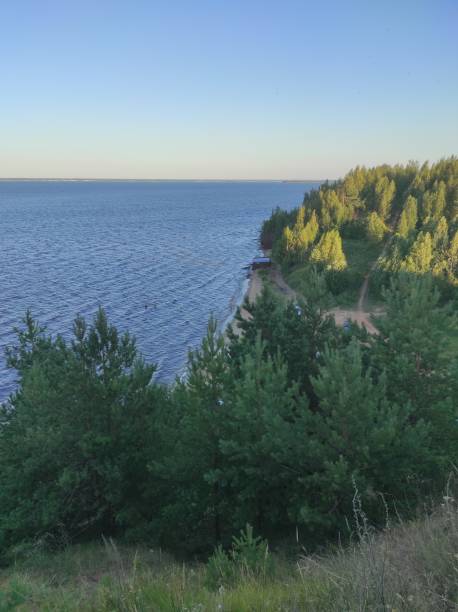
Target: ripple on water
[[159, 256]]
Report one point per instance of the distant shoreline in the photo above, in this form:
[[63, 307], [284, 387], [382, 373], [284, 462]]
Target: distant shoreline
[[150, 180]]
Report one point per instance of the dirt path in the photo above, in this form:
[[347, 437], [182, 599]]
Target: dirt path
[[359, 314], [363, 316], [279, 282]]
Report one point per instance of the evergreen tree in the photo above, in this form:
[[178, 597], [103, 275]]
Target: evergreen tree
[[359, 438], [434, 203], [289, 240], [409, 349], [408, 219], [333, 212], [300, 220], [73, 439], [351, 187], [439, 201], [329, 251], [310, 231], [196, 503], [440, 235], [264, 424], [420, 256], [299, 334], [376, 228], [384, 194], [452, 255]]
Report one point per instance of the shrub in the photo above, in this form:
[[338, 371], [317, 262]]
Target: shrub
[[249, 558]]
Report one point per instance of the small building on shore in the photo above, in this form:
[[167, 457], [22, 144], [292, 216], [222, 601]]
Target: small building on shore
[[261, 263]]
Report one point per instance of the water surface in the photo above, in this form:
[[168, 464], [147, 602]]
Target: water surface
[[160, 257]]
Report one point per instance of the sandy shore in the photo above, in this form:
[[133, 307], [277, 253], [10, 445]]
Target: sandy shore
[[254, 289], [357, 315]]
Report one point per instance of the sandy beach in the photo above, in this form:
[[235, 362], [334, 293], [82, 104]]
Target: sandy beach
[[357, 315]]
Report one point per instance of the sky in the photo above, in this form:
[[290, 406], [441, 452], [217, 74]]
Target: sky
[[225, 89]]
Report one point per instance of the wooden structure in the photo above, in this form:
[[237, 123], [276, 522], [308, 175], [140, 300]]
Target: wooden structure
[[261, 263]]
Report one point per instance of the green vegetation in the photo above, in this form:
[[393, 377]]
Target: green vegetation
[[294, 433], [273, 428], [406, 568], [413, 210]]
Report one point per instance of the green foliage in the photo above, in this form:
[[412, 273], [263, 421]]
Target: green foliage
[[440, 235], [297, 240], [273, 227], [384, 193], [409, 350], [15, 595], [361, 437], [194, 498], [329, 252], [418, 261], [408, 566], [371, 204], [408, 219], [248, 559], [72, 436], [376, 228], [274, 425]]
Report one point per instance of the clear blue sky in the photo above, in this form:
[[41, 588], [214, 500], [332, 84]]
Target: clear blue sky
[[225, 88]]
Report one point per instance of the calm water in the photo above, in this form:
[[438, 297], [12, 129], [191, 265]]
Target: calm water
[[159, 256]]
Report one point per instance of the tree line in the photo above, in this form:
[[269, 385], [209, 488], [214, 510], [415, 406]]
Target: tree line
[[415, 206], [276, 427]]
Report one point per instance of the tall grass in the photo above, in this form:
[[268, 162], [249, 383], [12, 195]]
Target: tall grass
[[407, 567]]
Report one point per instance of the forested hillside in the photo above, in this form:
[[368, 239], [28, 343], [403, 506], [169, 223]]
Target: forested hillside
[[342, 227]]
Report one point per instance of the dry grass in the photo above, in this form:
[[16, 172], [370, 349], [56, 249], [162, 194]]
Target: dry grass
[[407, 567]]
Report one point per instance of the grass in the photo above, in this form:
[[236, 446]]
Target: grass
[[361, 255], [408, 567], [268, 282]]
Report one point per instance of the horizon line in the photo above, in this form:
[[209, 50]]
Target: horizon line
[[162, 180]]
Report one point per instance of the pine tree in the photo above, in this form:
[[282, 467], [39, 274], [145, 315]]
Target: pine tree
[[409, 349], [439, 202], [300, 220], [195, 501], [408, 219], [360, 438], [289, 240], [351, 187], [307, 235], [258, 441], [420, 256], [452, 255], [434, 203], [74, 440], [384, 194], [333, 211], [440, 235], [329, 251], [376, 228]]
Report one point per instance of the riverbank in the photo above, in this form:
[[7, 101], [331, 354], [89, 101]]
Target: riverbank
[[253, 290], [274, 278]]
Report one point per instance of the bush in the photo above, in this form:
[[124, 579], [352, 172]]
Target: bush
[[249, 558]]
